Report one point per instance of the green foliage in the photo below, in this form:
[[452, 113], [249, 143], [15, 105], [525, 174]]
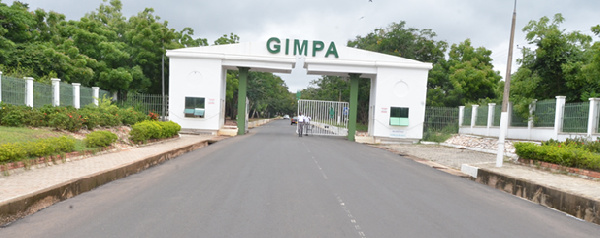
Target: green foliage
[[100, 139], [146, 130], [578, 153], [10, 152], [562, 63], [467, 77], [103, 48]]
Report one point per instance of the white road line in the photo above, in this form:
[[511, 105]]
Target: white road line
[[352, 220]]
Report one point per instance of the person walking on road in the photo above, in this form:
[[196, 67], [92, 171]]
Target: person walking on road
[[301, 119], [307, 126]]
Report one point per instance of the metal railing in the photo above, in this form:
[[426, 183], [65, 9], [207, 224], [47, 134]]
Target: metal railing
[[42, 94], [544, 113], [482, 116], [144, 103], [441, 119], [576, 117], [13, 90], [66, 94], [467, 116]]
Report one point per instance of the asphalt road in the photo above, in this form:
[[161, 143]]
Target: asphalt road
[[271, 183]]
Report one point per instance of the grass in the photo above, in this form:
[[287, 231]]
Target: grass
[[23, 134]]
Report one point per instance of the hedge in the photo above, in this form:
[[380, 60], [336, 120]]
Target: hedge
[[146, 130], [100, 139], [561, 154], [11, 152]]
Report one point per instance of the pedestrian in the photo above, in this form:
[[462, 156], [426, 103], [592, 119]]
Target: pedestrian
[[301, 119]]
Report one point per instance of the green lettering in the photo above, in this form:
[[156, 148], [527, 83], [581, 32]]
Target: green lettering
[[332, 50], [317, 46], [275, 46], [287, 46], [300, 47]]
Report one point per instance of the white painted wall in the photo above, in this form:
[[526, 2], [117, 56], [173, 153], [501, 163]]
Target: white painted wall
[[197, 78], [400, 87]]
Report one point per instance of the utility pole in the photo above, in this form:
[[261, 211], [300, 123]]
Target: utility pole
[[505, 96]]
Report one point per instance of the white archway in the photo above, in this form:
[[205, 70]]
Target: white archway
[[398, 85]]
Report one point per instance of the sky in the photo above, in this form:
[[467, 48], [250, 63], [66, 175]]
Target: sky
[[486, 22]]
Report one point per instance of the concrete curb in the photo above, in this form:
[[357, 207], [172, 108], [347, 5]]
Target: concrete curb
[[20, 207], [578, 206]]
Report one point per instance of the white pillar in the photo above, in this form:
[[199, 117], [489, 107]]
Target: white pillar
[[490, 119], [593, 117], [55, 92], [461, 114], [76, 95], [114, 96], [0, 86], [29, 92], [558, 118], [473, 116], [96, 95]]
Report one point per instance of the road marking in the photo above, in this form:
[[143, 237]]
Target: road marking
[[352, 220], [319, 166]]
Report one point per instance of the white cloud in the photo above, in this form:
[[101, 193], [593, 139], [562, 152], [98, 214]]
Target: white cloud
[[486, 23]]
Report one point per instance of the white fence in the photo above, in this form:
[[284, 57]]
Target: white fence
[[565, 116], [327, 118]]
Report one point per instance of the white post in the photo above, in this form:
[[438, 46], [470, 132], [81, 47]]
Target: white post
[[96, 95], [461, 114], [490, 119], [558, 117], [114, 96], [76, 95], [55, 92], [473, 116], [530, 118], [593, 117], [29, 92], [503, 128], [0, 86]]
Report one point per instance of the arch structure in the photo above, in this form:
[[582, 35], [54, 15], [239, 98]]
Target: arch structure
[[197, 83]]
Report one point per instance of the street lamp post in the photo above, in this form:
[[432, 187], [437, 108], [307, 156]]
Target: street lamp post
[[504, 113]]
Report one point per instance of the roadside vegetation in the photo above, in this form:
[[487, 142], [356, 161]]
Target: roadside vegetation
[[575, 153], [29, 133]]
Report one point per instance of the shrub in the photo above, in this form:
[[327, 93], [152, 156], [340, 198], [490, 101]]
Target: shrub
[[130, 116], [100, 139], [13, 118], [39, 148], [565, 154], [67, 120], [145, 130], [11, 152]]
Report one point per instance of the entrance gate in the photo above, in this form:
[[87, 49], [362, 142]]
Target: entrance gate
[[327, 118]]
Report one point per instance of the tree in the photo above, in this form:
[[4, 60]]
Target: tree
[[554, 67], [466, 77], [403, 42]]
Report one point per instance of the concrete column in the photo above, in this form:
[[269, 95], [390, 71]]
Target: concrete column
[[76, 95], [461, 115], [558, 118], [55, 92], [29, 92], [97, 95], [353, 106], [490, 118], [530, 118], [593, 117], [473, 116], [242, 87], [0, 86]]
